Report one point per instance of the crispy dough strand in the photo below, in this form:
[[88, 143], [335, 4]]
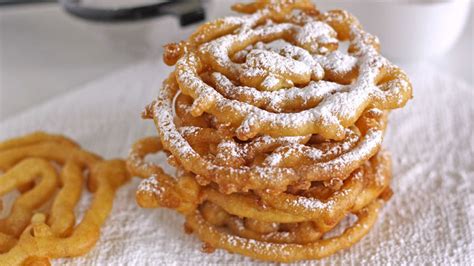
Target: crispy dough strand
[[284, 252], [24, 206], [52, 168], [62, 217], [44, 244]]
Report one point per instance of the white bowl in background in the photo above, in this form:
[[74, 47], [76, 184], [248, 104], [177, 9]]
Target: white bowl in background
[[408, 30]]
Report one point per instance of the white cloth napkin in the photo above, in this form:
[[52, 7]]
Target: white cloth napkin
[[430, 219]]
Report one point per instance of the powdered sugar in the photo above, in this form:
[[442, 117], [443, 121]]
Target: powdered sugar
[[314, 35], [337, 62], [274, 68], [277, 101], [151, 185], [278, 157], [188, 130], [309, 203]]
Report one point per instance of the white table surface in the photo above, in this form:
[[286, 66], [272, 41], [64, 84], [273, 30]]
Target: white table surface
[[45, 53]]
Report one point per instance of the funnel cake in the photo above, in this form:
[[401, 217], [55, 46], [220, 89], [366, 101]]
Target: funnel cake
[[260, 224], [288, 160], [365, 79], [52, 168], [275, 129]]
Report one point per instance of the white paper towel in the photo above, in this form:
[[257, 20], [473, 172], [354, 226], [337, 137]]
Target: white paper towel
[[430, 219]]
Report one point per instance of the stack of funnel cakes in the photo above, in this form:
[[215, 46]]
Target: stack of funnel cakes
[[275, 130]]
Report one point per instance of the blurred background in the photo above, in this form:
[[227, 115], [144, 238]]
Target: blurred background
[[48, 48]]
